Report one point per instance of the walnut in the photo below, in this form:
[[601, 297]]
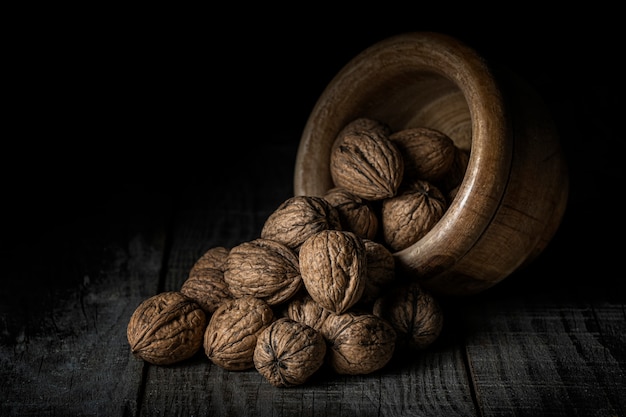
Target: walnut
[[428, 153], [365, 124], [214, 258], [451, 181], [380, 270], [265, 269], [288, 352], [366, 163], [306, 310], [355, 214], [232, 332], [407, 217], [413, 312], [166, 328], [333, 267], [359, 343], [452, 194], [299, 217], [205, 283]]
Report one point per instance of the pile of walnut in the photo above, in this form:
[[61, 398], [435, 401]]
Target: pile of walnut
[[320, 284]]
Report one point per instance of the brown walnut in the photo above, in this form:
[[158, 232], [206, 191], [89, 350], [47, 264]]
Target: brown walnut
[[213, 258], [263, 268], [333, 267], [355, 214], [450, 183], [166, 328], [231, 335], [299, 217], [408, 216], [365, 124], [428, 153], [288, 352], [380, 270], [359, 343], [205, 283], [306, 310], [366, 163], [414, 313]]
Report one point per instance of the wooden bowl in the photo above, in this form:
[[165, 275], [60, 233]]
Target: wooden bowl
[[515, 189]]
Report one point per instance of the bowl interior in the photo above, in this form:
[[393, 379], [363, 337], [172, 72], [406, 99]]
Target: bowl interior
[[420, 99], [407, 81]]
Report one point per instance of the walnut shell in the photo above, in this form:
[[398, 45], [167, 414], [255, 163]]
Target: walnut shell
[[359, 343], [355, 214], [299, 217], [367, 164], [428, 153], [213, 258], [407, 217], [333, 267], [306, 310], [380, 270], [365, 124], [166, 328], [231, 335], [288, 352], [451, 195], [205, 283], [263, 268], [455, 174], [413, 312]]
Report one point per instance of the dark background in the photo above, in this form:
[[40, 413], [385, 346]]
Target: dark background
[[103, 100]]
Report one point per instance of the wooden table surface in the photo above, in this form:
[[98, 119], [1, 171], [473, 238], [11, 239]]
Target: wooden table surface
[[94, 234]]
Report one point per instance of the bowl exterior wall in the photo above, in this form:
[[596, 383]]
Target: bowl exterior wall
[[514, 193]]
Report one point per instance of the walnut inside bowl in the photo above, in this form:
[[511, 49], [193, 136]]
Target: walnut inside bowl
[[514, 192]]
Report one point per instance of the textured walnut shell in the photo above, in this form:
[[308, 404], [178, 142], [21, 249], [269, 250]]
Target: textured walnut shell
[[414, 313], [359, 343], [231, 335], [428, 153], [213, 258], [453, 178], [306, 310], [380, 270], [299, 217], [263, 268], [451, 195], [366, 163], [205, 283], [365, 124], [166, 328], [288, 352], [333, 267], [355, 214], [407, 217]]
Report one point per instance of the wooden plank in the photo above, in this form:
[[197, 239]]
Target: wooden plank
[[433, 383], [65, 304], [552, 352], [547, 341]]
